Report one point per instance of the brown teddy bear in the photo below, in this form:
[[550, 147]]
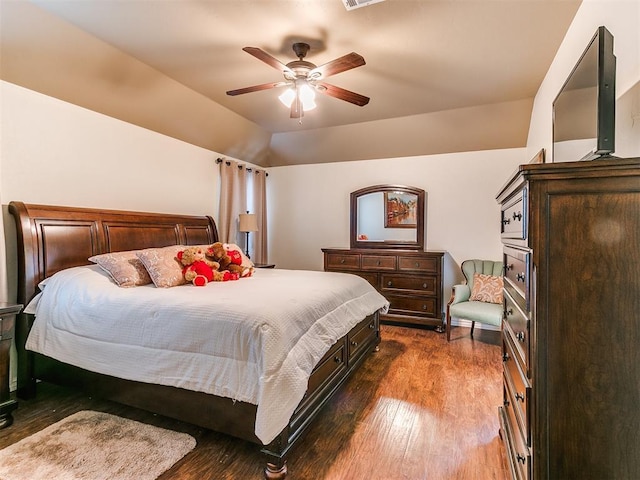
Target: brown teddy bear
[[198, 269], [228, 259]]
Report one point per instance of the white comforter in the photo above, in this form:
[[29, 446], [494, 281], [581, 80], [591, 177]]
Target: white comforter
[[255, 340]]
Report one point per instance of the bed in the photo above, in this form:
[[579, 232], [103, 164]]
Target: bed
[[249, 391]]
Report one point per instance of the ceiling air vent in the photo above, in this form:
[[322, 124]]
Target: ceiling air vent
[[353, 4]]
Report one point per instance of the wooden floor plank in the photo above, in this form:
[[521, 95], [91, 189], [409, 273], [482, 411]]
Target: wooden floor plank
[[421, 408]]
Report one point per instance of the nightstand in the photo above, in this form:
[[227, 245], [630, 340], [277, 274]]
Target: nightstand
[[264, 265], [7, 328]]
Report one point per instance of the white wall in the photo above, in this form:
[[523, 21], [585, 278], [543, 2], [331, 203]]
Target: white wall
[[622, 19], [309, 204]]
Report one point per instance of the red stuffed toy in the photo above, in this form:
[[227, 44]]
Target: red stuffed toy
[[229, 260], [197, 268]]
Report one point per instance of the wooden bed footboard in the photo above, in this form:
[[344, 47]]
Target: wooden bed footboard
[[52, 238]]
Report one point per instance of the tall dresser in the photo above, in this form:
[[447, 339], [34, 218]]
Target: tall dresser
[[411, 280], [571, 331]]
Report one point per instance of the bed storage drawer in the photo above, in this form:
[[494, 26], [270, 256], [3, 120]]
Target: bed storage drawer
[[329, 368], [361, 336]]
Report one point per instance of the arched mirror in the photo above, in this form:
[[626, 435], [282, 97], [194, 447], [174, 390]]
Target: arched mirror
[[387, 216]]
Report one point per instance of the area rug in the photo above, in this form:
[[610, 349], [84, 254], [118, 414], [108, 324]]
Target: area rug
[[92, 445]]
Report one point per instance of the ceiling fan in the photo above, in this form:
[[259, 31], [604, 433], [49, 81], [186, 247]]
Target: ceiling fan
[[304, 78]]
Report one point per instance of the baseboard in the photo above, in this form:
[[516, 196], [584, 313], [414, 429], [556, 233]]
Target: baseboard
[[467, 323]]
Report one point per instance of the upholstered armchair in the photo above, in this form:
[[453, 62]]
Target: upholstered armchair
[[480, 298]]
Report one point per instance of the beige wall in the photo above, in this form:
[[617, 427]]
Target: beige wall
[[309, 204], [54, 152], [622, 19]]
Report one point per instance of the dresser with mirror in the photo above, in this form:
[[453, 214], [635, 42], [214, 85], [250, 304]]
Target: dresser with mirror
[[387, 239]]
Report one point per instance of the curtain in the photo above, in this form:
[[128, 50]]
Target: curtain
[[243, 189], [233, 200], [259, 198]]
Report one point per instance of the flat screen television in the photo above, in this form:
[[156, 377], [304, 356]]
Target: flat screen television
[[584, 110]]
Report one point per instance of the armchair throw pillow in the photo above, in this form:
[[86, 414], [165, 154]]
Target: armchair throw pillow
[[486, 288]]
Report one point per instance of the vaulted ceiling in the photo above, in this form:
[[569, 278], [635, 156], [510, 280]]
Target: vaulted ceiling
[[442, 75]]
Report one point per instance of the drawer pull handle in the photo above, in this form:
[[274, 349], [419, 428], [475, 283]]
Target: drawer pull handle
[[371, 326], [520, 277], [506, 221], [389, 283], [505, 402], [337, 359], [424, 285], [521, 458], [354, 343], [508, 313], [342, 260], [517, 216], [424, 307], [417, 264], [520, 336], [505, 357], [378, 264], [508, 266], [520, 396]]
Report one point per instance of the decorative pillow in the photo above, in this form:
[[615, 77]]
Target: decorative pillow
[[125, 268], [246, 261], [486, 288], [162, 265]]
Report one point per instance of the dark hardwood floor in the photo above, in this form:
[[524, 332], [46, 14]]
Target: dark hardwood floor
[[420, 408]]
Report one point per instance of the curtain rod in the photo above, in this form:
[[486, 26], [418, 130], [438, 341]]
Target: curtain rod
[[249, 169]]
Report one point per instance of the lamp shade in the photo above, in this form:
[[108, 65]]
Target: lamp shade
[[248, 222]]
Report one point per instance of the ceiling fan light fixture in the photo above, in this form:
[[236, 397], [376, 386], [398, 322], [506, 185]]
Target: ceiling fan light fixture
[[307, 96], [287, 97]]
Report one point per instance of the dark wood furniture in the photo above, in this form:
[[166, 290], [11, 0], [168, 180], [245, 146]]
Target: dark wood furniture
[[52, 238], [7, 328], [571, 334], [373, 211], [410, 280]]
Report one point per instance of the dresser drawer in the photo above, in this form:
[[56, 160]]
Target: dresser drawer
[[514, 217], [518, 386], [426, 307], [342, 261], [370, 277], [516, 324], [416, 264], [378, 262], [516, 274], [424, 284], [518, 455]]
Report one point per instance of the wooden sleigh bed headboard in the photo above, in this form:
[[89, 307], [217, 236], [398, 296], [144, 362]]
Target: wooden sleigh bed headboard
[[52, 238]]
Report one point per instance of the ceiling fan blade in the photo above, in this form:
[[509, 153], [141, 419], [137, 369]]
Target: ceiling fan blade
[[342, 94], [256, 88], [268, 59], [347, 62]]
